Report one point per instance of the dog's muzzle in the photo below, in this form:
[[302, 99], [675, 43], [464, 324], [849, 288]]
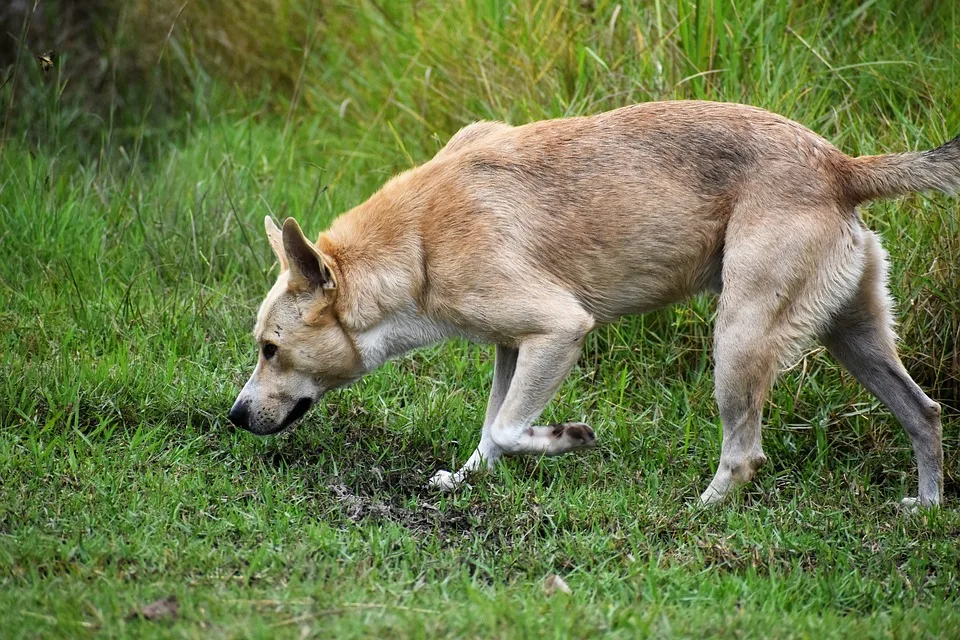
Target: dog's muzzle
[[240, 416], [302, 406]]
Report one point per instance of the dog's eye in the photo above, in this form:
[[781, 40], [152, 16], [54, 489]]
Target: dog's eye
[[269, 350]]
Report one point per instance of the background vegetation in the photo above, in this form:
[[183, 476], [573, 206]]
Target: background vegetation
[[133, 179]]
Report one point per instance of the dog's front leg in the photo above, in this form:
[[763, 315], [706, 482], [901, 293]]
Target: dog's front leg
[[541, 364], [487, 451]]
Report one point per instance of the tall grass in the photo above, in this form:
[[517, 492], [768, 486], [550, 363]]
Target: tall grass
[[305, 108], [133, 261]]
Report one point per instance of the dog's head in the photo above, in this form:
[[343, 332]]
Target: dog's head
[[303, 349]]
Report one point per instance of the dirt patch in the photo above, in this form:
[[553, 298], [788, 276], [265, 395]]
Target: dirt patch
[[356, 507], [163, 609], [428, 518]]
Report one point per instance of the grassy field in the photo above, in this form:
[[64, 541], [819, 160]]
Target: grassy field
[[132, 260]]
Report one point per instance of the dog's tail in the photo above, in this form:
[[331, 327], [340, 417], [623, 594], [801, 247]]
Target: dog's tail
[[870, 177]]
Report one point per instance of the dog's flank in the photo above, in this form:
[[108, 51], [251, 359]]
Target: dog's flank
[[528, 237]]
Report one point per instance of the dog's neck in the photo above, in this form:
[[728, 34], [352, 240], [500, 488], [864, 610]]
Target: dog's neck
[[380, 259], [397, 333]]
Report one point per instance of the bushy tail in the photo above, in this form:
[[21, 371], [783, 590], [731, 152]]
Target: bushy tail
[[870, 177]]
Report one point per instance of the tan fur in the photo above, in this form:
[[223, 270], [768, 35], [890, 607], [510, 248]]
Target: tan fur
[[528, 237]]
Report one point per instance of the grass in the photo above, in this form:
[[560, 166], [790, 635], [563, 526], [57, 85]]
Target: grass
[[133, 262]]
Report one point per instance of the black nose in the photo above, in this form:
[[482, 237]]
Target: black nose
[[239, 415]]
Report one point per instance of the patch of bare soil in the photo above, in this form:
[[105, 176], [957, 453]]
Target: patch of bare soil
[[163, 609]]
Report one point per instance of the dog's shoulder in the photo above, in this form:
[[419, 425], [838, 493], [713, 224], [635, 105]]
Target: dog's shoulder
[[482, 131]]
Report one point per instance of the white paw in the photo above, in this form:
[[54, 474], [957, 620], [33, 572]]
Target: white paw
[[710, 497], [910, 505], [913, 505], [443, 481], [569, 436]]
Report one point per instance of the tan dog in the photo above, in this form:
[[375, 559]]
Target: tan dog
[[529, 237]]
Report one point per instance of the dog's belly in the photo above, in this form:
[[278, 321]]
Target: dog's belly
[[630, 252], [619, 260], [623, 234], [521, 273], [648, 276]]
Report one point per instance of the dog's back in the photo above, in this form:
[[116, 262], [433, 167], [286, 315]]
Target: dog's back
[[627, 209]]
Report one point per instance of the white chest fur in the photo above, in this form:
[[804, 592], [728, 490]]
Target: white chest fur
[[398, 333]]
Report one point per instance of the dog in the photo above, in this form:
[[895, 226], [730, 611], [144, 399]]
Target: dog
[[528, 237]]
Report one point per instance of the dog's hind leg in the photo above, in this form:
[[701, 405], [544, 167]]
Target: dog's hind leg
[[862, 340], [746, 364], [784, 273], [487, 452]]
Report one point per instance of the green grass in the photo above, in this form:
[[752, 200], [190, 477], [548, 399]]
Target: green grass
[[133, 260]]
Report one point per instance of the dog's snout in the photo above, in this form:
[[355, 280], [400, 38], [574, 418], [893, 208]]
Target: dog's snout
[[240, 415], [303, 404]]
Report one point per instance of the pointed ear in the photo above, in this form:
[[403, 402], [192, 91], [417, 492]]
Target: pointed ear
[[309, 268], [276, 241]]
